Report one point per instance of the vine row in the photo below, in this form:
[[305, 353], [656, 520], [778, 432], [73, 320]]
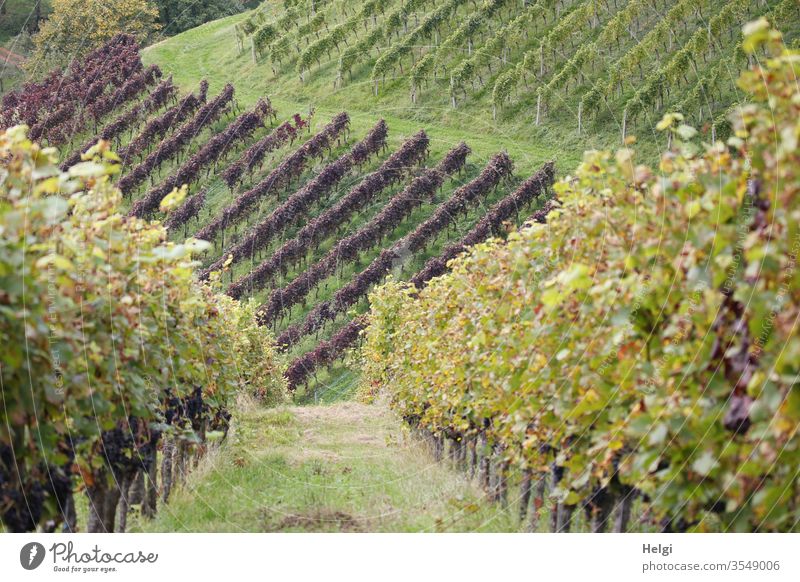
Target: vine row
[[170, 147], [411, 152], [291, 167], [371, 234], [421, 188], [162, 94], [240, 129], [298, 203], [254, 156], [155, 129]]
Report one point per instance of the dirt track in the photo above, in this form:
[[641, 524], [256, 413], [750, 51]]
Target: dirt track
[[8, 57]]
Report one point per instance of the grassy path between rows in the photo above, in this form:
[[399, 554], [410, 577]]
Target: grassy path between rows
[[345, 467]]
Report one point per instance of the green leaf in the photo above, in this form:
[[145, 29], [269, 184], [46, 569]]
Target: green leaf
[[686, 132], [552, 297], [705, 463], [658, 434], [577, 277], [174, 199], [87, 170]]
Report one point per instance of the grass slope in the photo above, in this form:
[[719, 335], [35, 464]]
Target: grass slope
[[212, 51], [15, 16]]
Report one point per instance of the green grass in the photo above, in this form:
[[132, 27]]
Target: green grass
[[18, 16], [343, 467]]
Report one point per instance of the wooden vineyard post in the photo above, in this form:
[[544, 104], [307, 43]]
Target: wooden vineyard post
[[150, 488], [168, 452], [538, 502], [484, 466], [525, 494], [623, 513], [541, 61], [538, 108], [624, 123]]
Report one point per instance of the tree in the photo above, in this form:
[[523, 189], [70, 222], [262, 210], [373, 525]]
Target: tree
[[75, 27], [179, 15]]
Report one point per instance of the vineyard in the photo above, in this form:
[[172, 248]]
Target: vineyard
[[122, 379], [319, 200], [293, 219], [590, 70], [646, 373]]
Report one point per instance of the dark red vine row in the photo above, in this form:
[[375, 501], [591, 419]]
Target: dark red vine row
[[162, 94], [413, 151], [70, 118], [131, 90], [492, 223], [277, 137], [368, 236], [327, 352], [298, 203], [185, 212], [109, 65], [360, 284], [240, 129], [254, 156], [155, 129]]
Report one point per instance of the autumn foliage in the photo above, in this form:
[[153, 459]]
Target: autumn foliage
[[640, 344]]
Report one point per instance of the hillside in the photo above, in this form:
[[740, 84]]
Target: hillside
[[502, 54], [559, 283], [305, 209], [339, 181], [211, 52]]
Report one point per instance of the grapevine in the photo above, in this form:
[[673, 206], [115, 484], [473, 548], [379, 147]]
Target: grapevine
[[296, 205], [291, 167], [413, 151]]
